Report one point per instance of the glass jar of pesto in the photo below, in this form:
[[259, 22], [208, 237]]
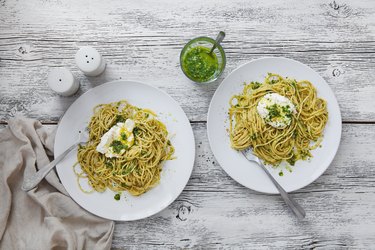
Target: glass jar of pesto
[[198, 64]]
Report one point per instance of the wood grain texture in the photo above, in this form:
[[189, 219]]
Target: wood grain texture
[[141, 40]]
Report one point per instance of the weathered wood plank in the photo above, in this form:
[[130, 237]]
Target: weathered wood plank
[[142, 41], [215, 212]]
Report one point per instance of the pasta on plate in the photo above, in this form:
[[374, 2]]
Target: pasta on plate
[[281, 119], [126, 149]]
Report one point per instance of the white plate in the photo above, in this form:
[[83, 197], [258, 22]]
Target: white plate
[[247, 173], [175, 174]]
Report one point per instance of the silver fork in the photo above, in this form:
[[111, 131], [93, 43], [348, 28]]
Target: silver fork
[[293, 205], [33, 180]]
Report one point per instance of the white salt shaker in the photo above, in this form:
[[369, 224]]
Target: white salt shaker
[[89, 61], [62, 81]]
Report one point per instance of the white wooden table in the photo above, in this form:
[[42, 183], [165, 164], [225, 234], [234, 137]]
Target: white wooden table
[[141, 40]]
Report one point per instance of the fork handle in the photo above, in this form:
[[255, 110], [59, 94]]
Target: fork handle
[[293, 205], [33, 180]]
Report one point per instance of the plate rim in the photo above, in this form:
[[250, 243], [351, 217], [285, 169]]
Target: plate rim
[[165, 205], [335, 103]]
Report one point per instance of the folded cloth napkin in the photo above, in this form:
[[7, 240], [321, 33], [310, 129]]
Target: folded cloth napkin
[[45, 217]]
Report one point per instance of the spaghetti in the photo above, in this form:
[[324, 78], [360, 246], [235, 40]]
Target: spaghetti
[[274, 145], [138, 168]]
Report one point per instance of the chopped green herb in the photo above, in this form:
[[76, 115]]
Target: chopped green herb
[[117, 197], [294, 84], [136, 131], [253, 137], [292, 160], [108, 164], [123, 136], [287, 112], [255, 85], [119, 118], [305, 154], [118, 146], [273, 111], [274, 81]]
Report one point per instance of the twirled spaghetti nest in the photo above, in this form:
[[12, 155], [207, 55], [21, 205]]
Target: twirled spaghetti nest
[[139, 168], [274, 145]]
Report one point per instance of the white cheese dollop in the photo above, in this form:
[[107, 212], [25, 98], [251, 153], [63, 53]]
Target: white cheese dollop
[[122, 132], [276, 110]]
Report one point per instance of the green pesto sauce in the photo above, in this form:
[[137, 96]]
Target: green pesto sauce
[[117, 197], [118, 146], [199, 64]]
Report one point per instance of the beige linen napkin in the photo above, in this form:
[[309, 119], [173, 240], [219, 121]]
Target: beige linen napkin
[[45, 217]]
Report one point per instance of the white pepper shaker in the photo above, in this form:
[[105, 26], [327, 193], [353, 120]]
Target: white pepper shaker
[[62, 81], [89, 61]]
